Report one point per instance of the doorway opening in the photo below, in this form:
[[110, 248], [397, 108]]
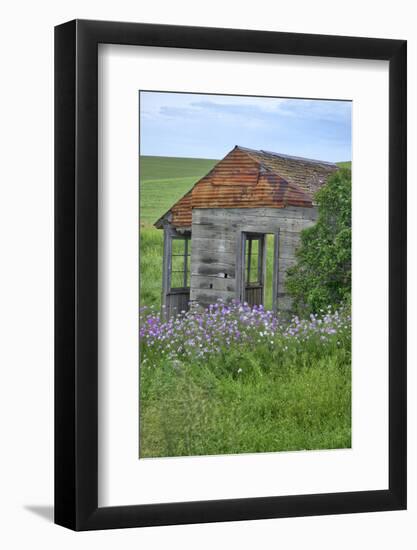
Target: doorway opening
[[259, 274]]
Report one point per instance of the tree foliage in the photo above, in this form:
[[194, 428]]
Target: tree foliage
[[323, 273]]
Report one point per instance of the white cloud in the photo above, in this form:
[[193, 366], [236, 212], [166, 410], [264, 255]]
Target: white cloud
[[155, 105]]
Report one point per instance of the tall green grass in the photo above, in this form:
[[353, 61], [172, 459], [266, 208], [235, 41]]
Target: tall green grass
[[198, 409], [150, 262]]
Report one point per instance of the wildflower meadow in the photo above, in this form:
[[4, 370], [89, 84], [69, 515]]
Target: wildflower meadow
[[234, 379]]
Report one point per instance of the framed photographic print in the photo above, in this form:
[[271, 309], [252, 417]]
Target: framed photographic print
[[230, 275]]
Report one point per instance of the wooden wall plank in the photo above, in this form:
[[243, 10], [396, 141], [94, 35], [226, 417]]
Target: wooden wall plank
[[217, 248]]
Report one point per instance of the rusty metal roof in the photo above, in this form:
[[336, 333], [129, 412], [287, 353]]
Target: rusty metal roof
[[248, 178], [307, 174]]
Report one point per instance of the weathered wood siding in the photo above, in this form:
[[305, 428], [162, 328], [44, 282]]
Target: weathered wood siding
[[216, 234], [176, 302]]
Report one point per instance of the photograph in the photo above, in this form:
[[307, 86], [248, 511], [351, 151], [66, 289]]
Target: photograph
[[245, 274]]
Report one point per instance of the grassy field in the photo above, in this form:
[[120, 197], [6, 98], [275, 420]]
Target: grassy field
[[164, 180], [345, 164], [198, 412]]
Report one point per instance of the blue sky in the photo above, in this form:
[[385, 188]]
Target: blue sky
[[209, 126]]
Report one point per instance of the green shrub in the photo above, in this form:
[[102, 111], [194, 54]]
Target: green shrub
[[322, 275]]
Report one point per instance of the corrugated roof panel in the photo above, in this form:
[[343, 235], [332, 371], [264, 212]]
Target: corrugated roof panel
[[237, 168], [246, 178]]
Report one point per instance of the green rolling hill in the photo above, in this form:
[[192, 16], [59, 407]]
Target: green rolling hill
[[164, 180]]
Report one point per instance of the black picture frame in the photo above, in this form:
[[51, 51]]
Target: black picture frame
[[76, 272]]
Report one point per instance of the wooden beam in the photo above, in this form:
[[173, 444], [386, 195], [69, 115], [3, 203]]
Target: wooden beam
[[185, 262], [275, 272], [249, 260], [262, 278], [240, 265], [166, 264]]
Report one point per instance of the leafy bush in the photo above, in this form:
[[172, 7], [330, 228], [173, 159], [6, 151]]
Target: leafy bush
[[322, 275]]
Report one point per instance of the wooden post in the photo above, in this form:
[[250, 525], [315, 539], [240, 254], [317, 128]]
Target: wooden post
[[275, 272], [166, 265], [248, 267], [263, 265], [185, 262], [240, 266]]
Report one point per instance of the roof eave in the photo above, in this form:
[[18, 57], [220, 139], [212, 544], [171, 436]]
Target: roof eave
[[163, 220]]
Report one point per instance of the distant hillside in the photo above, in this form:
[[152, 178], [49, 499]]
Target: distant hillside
[[158, 168], [164, 180], [346, 164]]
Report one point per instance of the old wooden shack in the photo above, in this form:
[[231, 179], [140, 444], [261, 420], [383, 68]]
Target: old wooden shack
[[216, 236]]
